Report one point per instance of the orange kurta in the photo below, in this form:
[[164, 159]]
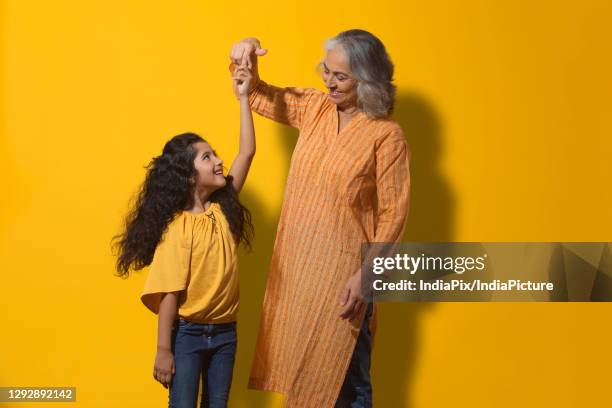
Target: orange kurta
[[343, 189]]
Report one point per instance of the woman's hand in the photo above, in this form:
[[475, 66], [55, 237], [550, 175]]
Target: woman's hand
[[352, 300], [245, 52], [164, 369], [242, 79]]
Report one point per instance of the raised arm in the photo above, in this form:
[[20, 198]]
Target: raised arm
[[242, 163], [285, 105]]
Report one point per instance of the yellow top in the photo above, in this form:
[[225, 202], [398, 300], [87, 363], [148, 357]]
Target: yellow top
[[196, 255]]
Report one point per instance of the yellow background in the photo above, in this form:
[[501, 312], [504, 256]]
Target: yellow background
[[506, 106]]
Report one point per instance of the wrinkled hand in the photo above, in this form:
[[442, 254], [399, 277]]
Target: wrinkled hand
[[164, 368], [352, 300], [245, 52]]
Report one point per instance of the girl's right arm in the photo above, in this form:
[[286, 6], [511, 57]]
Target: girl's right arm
[[164, 368], [242, 163]]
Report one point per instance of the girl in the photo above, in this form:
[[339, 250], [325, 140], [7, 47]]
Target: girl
[[186, 223]]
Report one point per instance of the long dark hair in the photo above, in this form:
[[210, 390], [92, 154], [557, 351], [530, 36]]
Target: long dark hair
[[167, 190]]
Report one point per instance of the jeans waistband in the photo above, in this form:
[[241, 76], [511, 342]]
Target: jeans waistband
[[206, 325]]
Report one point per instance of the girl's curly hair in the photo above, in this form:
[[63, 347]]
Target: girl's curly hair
[[167, 190]]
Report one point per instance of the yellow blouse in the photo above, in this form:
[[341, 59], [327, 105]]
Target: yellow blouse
[[198, 256]]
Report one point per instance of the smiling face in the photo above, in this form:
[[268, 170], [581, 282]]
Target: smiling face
[[209, 167], [338, 78]]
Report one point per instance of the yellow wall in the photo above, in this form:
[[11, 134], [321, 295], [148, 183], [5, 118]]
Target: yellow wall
[[507, 108]]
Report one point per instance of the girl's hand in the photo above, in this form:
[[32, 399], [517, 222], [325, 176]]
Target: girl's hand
[[164, 369], [352, 300], [242, 78]]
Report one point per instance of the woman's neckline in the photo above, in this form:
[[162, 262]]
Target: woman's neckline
[[353, 119]]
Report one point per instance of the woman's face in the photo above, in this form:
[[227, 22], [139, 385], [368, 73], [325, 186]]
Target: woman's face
[[209, 168], [339, 79]]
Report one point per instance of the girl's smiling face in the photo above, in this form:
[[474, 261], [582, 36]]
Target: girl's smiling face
[[338, 78], [209, 168]]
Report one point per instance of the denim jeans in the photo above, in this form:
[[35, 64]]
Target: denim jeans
[[205, 351], [356, 392]]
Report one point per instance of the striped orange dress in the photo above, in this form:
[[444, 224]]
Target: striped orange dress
[[342, 189]]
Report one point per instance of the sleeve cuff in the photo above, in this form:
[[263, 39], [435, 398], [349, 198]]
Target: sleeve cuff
[[253, 92]]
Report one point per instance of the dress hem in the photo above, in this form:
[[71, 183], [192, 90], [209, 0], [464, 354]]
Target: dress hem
[[265, 385]]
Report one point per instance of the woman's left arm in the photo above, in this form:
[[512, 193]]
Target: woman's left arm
[[393, 194], [392, 187]]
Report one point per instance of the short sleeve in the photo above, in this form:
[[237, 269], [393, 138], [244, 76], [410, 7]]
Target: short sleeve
[[169, 270]]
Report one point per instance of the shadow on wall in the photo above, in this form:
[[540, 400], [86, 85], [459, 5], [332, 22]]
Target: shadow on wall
[[430, 219]]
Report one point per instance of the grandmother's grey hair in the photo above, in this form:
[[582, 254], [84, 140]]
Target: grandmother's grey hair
[[372, 66]]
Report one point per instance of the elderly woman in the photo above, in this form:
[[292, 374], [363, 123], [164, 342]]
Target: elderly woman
[[348, 184]]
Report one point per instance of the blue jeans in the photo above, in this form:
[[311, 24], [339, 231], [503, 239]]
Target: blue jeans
[[356, 392], [205, 351]]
